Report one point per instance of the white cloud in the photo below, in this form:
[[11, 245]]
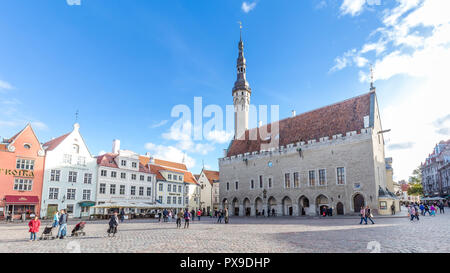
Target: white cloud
[[159, 124], [102, 152], [39, 125], [219, 136], [5, 85], [352, 7], [170, 153], [73, 2], [413, 42], [247, 7]]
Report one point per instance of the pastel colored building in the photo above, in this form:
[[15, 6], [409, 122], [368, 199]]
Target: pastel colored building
[[70, 176], [21, 172]]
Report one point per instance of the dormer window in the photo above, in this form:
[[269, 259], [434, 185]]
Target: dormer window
[[27, 146]]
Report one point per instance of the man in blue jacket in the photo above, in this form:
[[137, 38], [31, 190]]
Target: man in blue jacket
[[62, 225]]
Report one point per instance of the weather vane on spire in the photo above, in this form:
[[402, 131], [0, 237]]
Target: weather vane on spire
[[76, 116], [240, 28]]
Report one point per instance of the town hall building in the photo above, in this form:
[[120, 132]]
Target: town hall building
[[331, 157]]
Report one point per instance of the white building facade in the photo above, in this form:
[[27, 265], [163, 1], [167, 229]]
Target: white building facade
[[122, 178], [209, 195], [70, 176]]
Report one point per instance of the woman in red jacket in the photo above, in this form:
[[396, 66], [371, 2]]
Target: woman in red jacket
[[34, 225]]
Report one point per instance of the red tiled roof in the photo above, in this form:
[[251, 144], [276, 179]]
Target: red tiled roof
[[163, 165], [107, 160], [211, 175], [52, 144], [338, 118]]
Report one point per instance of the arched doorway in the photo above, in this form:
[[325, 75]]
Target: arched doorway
[[258, 206], [339, 208], [358, 202], [287, 206], [247, 207], [303, 205], [236, 207], [272, 206], [321, 203]]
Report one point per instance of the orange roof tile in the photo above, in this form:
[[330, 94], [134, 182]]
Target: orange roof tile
[[212, 176]]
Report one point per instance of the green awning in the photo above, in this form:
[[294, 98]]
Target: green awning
[[87, 203]]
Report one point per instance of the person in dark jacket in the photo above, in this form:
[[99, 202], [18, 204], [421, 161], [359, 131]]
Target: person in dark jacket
[[122, 215], [62, 224], [113, 224]]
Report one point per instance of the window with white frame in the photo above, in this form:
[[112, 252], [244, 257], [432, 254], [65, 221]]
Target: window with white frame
[[113, 174], [160, 199], [149, 179], [67, 159], [81, 161], [169, 199], [72, 177], [169, 187], [86, 194], [149, 191], [340, 175], [133, 190], [55, 175], [287, 180], [122, 190], [21, 184], [53, 193], [134, 164], [123, 163], [141, 178], [102, 188], [160, 186], [70, 194], [141, 191], [179, 200], [180, 188], [103, 173], [133, 176], [123, 175], [312, 178], [88, 178], [112, 189], [24, 164], [169, 176], [322, 177]]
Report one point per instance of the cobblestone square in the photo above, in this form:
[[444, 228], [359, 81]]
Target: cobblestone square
[[241, 235]]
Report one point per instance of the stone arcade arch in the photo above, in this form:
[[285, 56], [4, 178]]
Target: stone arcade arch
[[225, 203], [247, 207], [272, 205], [358, 202], [235, 206], [340, 208], [287, 206], [303, 205], [258, 206], [321, 203]]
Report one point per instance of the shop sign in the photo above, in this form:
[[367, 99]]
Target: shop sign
[[24, 173]]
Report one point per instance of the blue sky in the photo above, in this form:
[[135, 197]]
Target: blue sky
[[125, 64]]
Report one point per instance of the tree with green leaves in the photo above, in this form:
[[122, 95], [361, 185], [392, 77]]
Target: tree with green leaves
[[415, 182]]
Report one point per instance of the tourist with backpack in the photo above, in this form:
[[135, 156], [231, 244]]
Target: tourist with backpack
[[187, 217]]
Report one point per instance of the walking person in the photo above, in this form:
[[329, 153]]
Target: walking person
[[226, 216], [199, 214], [219, 217], [393, 209], [362, 213], [187, 217], [169, 216], [422, 209], [122, 215], [427, 209], [55, 219], [179, 216], [193, 214], [62, 231], [411, 212], [369, 215], [34, 225], [159, 216], [441, 208], [113, 224], [433, 210]]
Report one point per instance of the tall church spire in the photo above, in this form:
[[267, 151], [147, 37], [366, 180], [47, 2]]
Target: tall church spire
[[241, 81], [241, 93], [372, 87]]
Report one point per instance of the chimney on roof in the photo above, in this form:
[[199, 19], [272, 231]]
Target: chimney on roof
[[116, 146], [293, 113]]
